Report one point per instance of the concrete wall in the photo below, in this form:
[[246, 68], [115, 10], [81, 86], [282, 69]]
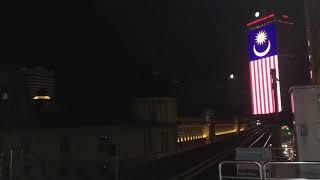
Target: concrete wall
[[155, 110], [306, 103], [45, 153]]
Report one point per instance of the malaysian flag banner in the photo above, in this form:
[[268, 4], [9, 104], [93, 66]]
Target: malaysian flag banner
[[262, 59]]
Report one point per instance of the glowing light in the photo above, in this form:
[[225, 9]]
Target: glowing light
[[257, 14], [273, 98], [257, 86], [241, 129], [261, 87], [260, 20], [285, 16], [265, 87], [204, 136], [231, 76], [42, 97], [269, 85], [278, 85], [253, 90], [261, 37], [225, 132]]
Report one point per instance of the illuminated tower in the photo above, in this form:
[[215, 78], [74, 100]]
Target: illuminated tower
[[271, 50]]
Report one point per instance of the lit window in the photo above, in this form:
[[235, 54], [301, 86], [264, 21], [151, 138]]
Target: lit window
[[309, 44], [42, 97], [4, 96]]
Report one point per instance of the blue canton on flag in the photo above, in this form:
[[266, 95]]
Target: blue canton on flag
[[262, 42]]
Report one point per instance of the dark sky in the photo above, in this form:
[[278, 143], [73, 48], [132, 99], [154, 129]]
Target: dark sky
[[106, 52]]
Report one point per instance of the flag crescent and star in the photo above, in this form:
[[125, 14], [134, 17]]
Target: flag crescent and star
[[262, 42]]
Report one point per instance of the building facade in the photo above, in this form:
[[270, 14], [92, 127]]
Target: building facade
[[273, 63], [99, 151], [312, 16], [306, 103], [79, 152], [155, 110], [25, 94], [39, 82]]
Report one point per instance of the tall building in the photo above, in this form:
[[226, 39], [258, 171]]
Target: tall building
[[26, 94], [39, 83], [312, 15], [273, 63]]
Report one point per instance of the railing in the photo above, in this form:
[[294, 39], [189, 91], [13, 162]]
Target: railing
[[283, 164], [221, 176], [265, 169]]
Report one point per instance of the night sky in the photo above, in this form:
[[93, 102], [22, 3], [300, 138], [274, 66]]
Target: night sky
[[105, 53]]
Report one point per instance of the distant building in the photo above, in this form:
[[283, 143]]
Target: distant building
[[312, 15], [25, 94], [39, 83], [274, 64]]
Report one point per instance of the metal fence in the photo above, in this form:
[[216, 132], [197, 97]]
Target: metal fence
[[291, 170], [236, 164], [15, 164], [271, 170]]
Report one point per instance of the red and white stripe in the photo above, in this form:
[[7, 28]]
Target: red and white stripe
[[263, 100]]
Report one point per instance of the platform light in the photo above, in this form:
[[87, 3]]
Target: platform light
[[225, 132], [204, 136]]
